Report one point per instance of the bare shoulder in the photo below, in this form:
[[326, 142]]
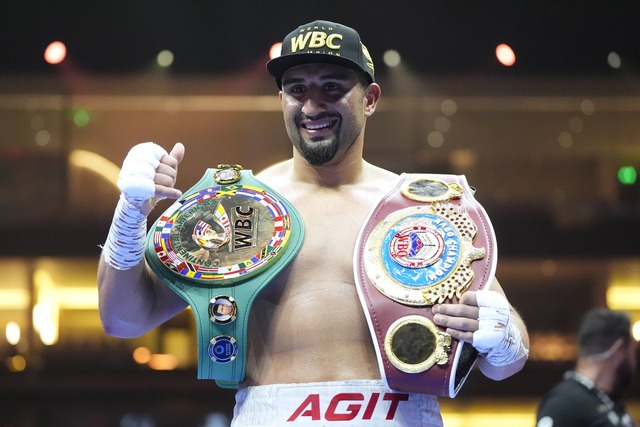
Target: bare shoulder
[[377, 172], [277, 174], [379, 178]]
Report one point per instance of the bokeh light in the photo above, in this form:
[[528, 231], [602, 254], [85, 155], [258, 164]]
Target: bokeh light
[[165, 58], [587, 107], [449, 107], [81, 118], [12, 333], [55, 53], [506, 56], [276, 50], [627, 175], [565, 140], [392, 58], [636, 331], [141, 355], [435, 139], [42, 137], [613, 59], [16, 363]]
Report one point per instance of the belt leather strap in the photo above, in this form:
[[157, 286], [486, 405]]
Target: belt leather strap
[[426, 242], [217, 247]]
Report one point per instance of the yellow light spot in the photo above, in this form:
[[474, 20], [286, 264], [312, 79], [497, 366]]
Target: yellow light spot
[[12, 332], [16, 363], [141, 355], [163, 362]]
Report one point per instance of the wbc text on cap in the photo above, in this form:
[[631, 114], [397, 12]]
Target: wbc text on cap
[[322, 42]]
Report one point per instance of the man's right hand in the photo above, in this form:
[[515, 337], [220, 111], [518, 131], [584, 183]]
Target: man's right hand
[[149, 174]]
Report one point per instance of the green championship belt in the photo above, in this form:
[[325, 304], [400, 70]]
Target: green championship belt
[[217, 247]]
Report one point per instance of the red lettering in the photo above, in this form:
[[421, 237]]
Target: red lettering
[[368, 412], [395, 399], [401, 244], [313, 400], [311, 406], [352, 410]]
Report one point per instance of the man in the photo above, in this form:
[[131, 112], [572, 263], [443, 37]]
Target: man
[[606, 364], [297, 348]]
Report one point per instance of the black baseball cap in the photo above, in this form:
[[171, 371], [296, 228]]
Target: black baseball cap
[[325, 42]]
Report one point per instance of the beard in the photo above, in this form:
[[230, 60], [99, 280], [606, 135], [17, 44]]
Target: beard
[[623, 377], [318, 152]]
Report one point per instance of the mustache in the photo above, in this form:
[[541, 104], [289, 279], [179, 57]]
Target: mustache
[[320, 116]]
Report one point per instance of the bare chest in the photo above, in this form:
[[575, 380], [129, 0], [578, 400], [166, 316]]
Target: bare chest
[[314, 302], [332, 225]]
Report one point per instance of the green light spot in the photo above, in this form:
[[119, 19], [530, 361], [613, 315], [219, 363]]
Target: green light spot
[[627, 175], [81, 118]]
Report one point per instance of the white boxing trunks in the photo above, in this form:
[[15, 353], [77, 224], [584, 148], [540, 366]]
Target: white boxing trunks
[[356, 403]]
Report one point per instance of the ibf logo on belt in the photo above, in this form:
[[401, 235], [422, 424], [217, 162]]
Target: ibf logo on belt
[[317, 40]]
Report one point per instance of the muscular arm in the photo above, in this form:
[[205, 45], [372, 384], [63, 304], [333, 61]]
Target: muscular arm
[[132, 300], [461, 321]]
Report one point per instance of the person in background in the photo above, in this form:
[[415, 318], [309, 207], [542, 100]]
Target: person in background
[[590, 394]]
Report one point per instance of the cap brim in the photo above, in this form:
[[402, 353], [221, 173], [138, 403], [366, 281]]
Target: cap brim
[[277, 66]]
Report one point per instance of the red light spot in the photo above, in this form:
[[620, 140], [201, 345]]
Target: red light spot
[[275, 50], [55, 53], [505, 55]]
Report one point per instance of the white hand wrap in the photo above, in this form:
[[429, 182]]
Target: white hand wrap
[[124, 247], [497, 339], [138, 171]]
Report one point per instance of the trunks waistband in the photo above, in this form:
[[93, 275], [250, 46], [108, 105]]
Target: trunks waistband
[[355, 403]]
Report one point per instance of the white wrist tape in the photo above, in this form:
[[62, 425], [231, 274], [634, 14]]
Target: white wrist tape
[[124, 247], [497, 339]]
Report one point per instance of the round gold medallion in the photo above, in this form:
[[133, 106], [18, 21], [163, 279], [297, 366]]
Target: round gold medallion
[[414, 344]]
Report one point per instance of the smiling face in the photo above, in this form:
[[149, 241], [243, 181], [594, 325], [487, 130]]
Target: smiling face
[[325, 108]]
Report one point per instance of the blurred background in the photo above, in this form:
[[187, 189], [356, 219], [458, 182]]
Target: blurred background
[[536, 102]]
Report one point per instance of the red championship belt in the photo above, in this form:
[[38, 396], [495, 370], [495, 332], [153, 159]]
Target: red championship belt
[[426, 242]]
